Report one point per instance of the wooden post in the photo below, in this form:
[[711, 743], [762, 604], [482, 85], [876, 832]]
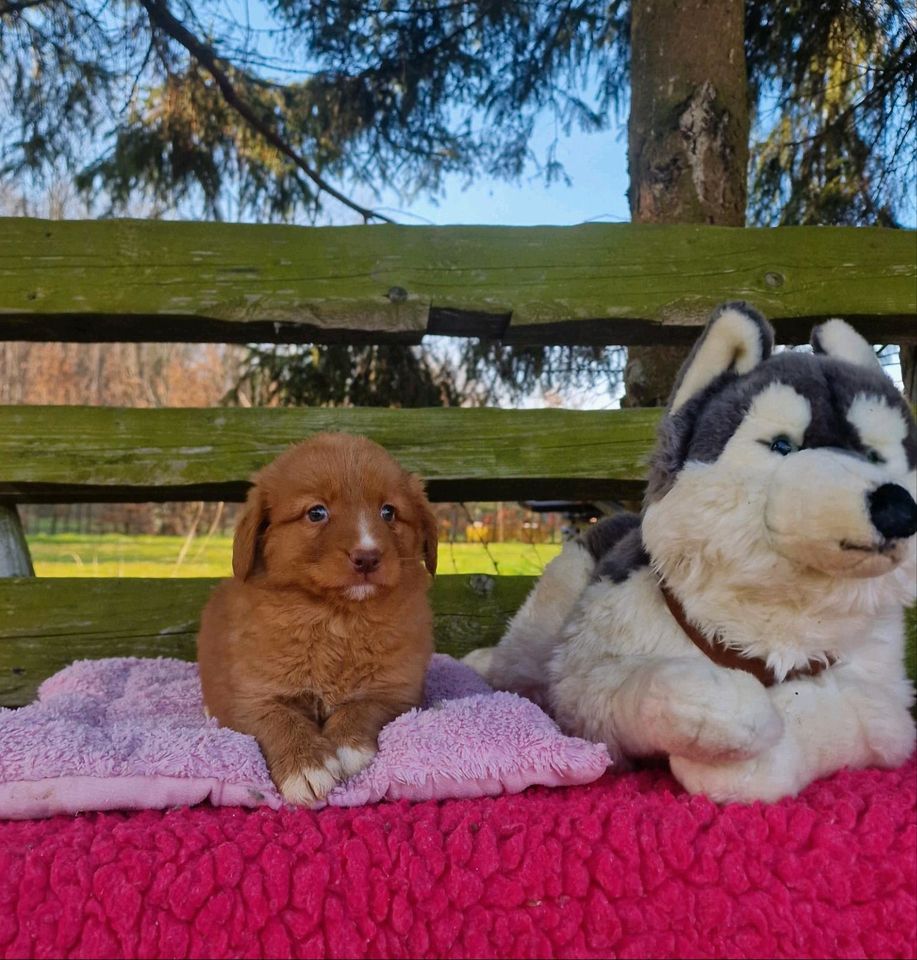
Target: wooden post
[[15, 560]]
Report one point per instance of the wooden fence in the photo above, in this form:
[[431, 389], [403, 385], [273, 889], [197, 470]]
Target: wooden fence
[[159, 281]]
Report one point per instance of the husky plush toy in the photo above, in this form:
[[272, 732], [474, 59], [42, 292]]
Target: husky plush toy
[[750, 624]]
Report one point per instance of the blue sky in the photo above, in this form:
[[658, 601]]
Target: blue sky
[[595, 163]]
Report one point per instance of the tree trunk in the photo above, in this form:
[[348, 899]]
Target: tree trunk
[[687, 139], [15, 560], [908, 354]]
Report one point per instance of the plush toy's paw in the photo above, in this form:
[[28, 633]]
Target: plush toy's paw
[[709, 713], [776, 773], [480, 660]]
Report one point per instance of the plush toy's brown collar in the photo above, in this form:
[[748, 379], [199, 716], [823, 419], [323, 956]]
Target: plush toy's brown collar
[[727, 657]]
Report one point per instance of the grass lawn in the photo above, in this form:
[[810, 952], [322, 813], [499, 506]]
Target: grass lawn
[[114, 555]]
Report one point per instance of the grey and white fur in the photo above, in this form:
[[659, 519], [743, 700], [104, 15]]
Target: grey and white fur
[[780, 511]]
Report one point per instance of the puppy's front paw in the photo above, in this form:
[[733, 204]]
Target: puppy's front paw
[[354, 758], [310, 784]]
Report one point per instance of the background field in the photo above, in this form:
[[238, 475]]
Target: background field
[[113, 555]]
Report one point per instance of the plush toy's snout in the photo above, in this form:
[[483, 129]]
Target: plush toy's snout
[[893, 512], [838, 514]]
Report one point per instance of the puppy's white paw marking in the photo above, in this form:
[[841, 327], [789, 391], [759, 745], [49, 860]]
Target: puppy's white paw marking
[[354, 759], [312, 784]]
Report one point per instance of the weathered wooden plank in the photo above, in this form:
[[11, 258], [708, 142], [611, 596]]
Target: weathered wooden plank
[[15, 560], [104, 454], [595, 283], [47, 623]]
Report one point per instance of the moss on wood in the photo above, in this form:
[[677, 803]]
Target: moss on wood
[[105, 454], [133, 280], [47, 623]]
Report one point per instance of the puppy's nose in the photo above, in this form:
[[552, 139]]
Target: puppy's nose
[[365, 561], [893, 511]]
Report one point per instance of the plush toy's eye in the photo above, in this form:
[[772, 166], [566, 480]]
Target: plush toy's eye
[[317, 513], [783, 445], [387, 512], [873, 456]]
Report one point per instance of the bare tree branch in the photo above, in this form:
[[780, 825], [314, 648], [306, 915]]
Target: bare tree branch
[[161, 17]]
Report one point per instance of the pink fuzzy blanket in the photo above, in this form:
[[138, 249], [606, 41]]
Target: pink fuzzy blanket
[[629, 866], [129, 733]]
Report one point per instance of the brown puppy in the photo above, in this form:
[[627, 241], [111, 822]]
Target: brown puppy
[[324, 633]]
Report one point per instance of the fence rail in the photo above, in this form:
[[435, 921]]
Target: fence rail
[[159, 281], [47, 623], [129, 280], [107, 454]]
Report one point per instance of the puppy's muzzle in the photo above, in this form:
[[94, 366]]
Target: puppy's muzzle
[[893, 511]]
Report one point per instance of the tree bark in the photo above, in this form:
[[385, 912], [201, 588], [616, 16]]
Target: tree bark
[[15, 560], [908, 354], [687, 139]]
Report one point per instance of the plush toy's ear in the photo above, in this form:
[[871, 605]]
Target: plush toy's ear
[[246, 544], [839, 340], [736, 338]]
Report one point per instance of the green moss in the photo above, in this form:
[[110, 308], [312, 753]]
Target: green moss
[[132, 455], [47, 623], [142, 280]]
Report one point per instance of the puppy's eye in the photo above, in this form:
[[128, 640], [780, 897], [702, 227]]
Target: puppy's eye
[[317, 514], [783, 445], [387, 512], [873, 456]]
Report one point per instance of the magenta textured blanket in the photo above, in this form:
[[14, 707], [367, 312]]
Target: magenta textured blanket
[[628, 866]]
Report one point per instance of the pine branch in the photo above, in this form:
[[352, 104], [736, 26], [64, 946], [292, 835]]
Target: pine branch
[[7, 8], [161, 17]]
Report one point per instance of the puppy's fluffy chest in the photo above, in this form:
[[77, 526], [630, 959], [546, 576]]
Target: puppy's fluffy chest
[[323, 655]]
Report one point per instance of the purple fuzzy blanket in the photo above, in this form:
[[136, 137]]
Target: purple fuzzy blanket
[[128, 733]]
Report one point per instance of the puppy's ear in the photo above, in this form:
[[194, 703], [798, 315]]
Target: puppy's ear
[[736, 338], [246, 544], [839, 340], [429, 529], [430, 538]]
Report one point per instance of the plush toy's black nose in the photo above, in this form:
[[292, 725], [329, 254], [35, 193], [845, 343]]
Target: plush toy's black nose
[[893, 511]]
